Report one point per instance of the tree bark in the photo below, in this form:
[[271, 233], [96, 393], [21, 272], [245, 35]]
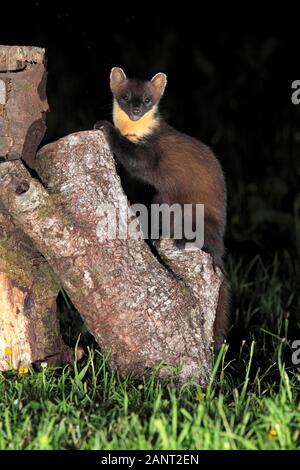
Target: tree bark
[[142, 314]]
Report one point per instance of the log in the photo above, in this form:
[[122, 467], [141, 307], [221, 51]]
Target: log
[[29, 326], [23, 102], [144, 315]]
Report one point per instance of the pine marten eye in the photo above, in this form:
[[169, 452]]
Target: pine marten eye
[[125, 97], [147, 100]]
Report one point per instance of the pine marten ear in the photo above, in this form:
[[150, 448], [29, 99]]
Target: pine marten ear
[[117, 77], [159, 82]]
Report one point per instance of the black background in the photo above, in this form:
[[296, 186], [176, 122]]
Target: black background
[[230, 70]]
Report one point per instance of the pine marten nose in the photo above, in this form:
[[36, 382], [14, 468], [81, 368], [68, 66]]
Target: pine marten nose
[[136, 111]]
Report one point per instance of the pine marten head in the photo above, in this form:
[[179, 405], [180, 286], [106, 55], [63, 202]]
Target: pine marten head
[[135, 103]]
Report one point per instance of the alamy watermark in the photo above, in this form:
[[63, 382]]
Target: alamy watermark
[[296, 93], [296, 353], [178, 221]]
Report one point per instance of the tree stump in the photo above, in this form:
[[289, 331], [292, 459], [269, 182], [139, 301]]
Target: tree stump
[[29, 327], [141, 313]]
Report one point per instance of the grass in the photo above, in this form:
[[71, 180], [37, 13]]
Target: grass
[[252, 401]]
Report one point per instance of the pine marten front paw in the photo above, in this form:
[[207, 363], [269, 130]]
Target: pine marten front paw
[[102, 125], [107, 128]]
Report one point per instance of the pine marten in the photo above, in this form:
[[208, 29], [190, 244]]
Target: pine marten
[[170, 166]]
